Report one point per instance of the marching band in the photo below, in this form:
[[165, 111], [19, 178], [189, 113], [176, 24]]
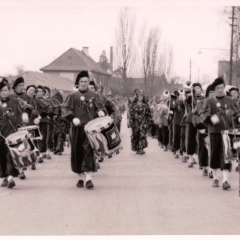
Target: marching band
[[187, 122], [205, 126]]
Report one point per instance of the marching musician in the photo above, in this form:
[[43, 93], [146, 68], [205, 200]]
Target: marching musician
[[10, 111], [29, 113], [173, 98], [155, 120], [153, 107], [28, 101], [191, 131], [163, 120], [60, 126], [177, 118], [31, 91], [182, 107], [45, 108], [158, 122], [202, 134], [55, 108], [234, 94], [217, 112], [80, 107]]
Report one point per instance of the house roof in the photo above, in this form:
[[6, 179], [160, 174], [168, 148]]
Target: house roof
[[74, 60], [49, 80]]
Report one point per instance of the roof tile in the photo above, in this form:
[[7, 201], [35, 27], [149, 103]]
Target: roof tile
[[49, 80]]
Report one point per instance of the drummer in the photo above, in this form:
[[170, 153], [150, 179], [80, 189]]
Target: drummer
[[28, 105], [213, 114], [79, 108], [10, 111]]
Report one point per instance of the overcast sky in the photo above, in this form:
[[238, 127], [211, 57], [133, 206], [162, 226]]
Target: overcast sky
[[33, 33]]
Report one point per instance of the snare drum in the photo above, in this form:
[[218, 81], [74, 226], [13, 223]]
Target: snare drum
[[33, 130], [22, 149], [104, 137]]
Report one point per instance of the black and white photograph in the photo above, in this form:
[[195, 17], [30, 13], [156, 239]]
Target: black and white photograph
[[119, 119]]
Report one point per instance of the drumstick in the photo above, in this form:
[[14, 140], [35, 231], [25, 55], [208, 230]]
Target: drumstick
[[12, 125]]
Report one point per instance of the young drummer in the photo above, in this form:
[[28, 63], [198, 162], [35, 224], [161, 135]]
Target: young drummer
[[217, 112], [10, 111]]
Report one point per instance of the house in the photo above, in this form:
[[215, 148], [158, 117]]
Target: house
[[70, 63], [51, 81]]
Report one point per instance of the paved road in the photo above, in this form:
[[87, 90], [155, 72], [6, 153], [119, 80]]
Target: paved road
[[151, 194]]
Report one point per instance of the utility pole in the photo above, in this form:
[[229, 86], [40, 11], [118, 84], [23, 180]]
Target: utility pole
[[190, 70], [231, 47]]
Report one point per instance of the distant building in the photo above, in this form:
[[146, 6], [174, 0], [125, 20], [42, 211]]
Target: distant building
[[224, 71], [118, 73], [70, 63]]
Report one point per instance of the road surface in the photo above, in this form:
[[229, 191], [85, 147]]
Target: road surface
[[148, 194]]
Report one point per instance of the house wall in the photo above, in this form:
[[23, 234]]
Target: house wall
[[69, 75]]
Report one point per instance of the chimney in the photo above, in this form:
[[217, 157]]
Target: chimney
[[85, 50], [111, 57]]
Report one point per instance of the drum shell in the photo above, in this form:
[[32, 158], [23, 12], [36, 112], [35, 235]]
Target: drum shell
[[105, 141], [31, 153], [229, 137]]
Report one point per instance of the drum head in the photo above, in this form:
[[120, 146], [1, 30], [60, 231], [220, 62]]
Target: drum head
[[98, 123], [17, 137], [27, 128]]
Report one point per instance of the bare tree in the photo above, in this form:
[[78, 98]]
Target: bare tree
[[149, 44], [167, 61], [125, 49]]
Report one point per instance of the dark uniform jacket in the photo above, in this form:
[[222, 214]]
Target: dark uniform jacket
[[189, 106], [178, 114], [85, 109], [210, 108]]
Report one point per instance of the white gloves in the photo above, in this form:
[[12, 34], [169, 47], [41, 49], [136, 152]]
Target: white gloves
[[37, 120], [215, 119], [25, 117], [76, 121], [101, 114]]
